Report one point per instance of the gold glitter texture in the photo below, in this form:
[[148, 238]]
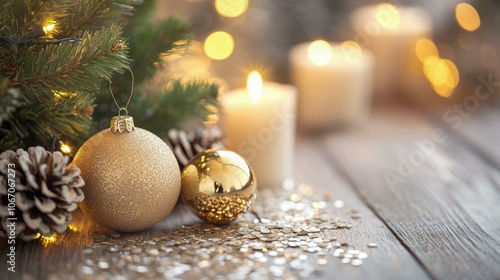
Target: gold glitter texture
[[132, 180], [218, 186]]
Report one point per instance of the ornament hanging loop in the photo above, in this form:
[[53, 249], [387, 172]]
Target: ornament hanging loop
[[120, 111], [129, 97], [122, 123]]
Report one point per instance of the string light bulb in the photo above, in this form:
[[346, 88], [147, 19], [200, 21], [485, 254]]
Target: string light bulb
[[49, 27], [65, 148]]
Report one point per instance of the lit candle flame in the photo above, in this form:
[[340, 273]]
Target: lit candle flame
[[320, 52], [254, 86]]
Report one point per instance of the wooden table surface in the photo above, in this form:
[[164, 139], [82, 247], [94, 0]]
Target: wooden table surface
[[424, 188]]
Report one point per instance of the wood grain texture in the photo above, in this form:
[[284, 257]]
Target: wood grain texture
[[390, 260], [480, 129], [437, 221], [439, 206], [45, 259]]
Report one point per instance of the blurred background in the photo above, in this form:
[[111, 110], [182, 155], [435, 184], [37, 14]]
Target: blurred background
[[259, 34]]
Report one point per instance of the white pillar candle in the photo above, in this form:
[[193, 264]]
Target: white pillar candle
[[334, 82], [259, 124], [391, 33]]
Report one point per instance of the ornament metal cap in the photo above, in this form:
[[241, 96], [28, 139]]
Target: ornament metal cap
[[121, 123]]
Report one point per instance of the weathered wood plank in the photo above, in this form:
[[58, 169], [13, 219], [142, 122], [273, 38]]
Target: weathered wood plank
[[438, 203], [42, 259], [481, 129], [390, 260]]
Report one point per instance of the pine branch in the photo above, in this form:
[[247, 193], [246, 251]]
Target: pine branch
[[9, 103], [149, 42], [68, 116], [192, 101], [56, 73], [22, 18], [72, 67], [93, 15], [9, 140], [149, 38]]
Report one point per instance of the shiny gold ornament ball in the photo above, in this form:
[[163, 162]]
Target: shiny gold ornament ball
[[132, 180], [218, 186]]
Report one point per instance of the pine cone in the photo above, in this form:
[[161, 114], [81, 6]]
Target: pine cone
[[186, 145], [46, 192]]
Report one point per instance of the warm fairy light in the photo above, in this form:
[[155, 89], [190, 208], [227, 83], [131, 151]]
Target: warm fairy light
[[72, 228], [65, 148], [387, 15], [213, 117], [442, 74], [351, 51], [425, 48], [59, 94], [231, 8], [46, 241], [319, 52], [467, 17], [219, 45], [254, 86], [49, 27]]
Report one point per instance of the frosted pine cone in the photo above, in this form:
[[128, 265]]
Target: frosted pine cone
[[38, 190], [186, 145]]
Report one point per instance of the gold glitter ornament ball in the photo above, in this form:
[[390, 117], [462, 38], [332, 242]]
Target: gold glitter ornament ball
[[218, 186], [132, 180]]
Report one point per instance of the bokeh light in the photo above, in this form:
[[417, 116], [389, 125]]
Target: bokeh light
[[46, 240], [467, 17], [425, 48], [49, 27], [219, 45], [387, 15], [65, 148], [442, 74], [231, 8], [351, 51], [319, 52]]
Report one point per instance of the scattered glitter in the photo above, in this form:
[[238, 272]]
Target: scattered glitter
[[103, 265], [356, 262], [362, 255], [297, 233], [322, 261], [338, 204]]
